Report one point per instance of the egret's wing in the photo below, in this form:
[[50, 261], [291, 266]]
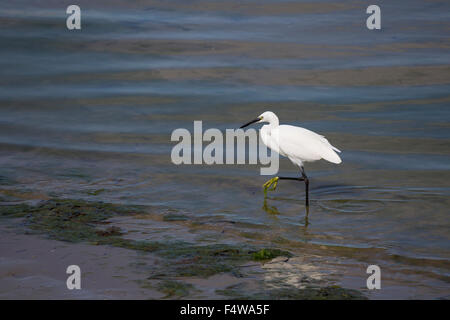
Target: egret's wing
[[305, 145]]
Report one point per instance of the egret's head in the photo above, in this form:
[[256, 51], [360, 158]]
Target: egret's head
[[267, 116]]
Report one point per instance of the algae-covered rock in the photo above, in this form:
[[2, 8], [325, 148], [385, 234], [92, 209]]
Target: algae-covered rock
[[268, 254]]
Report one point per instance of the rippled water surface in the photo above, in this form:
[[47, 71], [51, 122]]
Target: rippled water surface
[[88, 114]]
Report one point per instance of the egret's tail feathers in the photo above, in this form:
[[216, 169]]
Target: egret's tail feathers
[[330, 153], [336, 149], [339, 160], [333, 157], [329, 144]]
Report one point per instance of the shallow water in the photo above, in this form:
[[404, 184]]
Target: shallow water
[[88, 114]]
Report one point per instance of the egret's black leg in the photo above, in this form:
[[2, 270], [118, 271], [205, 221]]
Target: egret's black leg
[[274, 181], [305, 178], [307, 217], [291, 178]]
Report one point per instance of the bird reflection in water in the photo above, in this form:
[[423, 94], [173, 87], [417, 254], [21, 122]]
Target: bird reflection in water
[[273, 210]]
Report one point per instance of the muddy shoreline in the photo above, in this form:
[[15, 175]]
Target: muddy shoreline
[[37, 241]]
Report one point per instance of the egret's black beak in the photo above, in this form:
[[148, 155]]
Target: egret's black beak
[[249, 123]]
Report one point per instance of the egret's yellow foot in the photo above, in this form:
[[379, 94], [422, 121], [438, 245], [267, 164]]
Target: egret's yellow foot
[[272, 184]]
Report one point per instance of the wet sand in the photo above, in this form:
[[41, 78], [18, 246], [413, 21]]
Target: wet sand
[[32, 267]]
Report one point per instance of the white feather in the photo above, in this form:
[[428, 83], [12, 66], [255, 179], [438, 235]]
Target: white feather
[[296, 143]]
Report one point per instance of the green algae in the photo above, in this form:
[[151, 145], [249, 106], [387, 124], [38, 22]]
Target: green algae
[[73, 220], [252, 235], [211, 259], [269, 254], [145, 246], [323, 293], [175, 217], [95, 192], [110, 231], [237, 292], [189, 260], [68, 220], [78, 221], [292, 293], [14, 211], [172, 288]]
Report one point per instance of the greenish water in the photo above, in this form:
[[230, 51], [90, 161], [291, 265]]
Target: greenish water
[[88, 115]]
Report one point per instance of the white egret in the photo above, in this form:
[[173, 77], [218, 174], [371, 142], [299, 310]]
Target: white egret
[[298, 144]]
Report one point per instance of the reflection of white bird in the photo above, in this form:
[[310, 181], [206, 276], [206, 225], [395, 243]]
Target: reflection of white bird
[[298, 144]]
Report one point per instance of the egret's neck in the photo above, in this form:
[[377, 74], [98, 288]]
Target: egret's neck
[[272, 124]]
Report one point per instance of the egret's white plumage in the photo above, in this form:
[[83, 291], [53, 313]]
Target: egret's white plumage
[[298, 144]]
